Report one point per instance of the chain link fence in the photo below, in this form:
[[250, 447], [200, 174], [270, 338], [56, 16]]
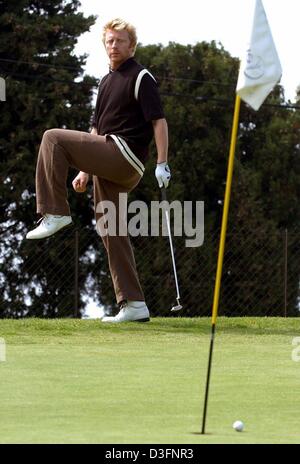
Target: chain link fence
[[57, 277], [260, 275]]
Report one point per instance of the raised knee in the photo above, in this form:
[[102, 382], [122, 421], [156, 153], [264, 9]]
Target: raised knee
[[52, 135]]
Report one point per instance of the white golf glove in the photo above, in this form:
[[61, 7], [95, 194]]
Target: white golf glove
[[162, 174]]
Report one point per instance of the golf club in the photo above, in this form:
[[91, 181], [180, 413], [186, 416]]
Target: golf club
[[164, 198]]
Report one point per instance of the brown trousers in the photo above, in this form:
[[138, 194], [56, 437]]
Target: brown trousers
[[112, 175]]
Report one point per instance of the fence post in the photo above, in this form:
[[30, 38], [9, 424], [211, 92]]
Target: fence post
[[76, 268], [285, 270]]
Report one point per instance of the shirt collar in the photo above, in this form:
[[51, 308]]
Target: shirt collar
[[124, 65]]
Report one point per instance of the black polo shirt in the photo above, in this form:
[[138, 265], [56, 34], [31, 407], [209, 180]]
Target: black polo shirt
[[126, 109]]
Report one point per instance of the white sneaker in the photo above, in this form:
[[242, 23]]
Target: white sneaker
[[49, 225], [131, 311]]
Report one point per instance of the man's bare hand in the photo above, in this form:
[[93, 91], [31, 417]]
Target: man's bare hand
[[80, 182]]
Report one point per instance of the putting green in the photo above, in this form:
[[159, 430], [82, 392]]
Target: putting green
[[73, 381]]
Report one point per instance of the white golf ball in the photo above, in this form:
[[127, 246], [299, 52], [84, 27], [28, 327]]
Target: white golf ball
[[238, 426]]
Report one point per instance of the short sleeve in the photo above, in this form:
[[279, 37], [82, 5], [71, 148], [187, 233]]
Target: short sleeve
[[149, 99]]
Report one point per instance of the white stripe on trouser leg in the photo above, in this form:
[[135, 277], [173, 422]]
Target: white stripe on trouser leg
[[128, 154]]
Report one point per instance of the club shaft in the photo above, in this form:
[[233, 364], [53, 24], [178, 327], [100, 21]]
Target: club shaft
[[172, 253]]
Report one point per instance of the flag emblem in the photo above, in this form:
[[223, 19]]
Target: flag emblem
[[255, 67]]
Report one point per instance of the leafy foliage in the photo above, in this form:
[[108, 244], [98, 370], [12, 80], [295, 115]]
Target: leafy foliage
[[197, 84], [43, 91]]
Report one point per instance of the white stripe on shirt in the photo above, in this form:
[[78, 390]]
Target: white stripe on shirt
[[139, 80]]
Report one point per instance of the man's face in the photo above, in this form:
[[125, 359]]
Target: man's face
[[118, 47]]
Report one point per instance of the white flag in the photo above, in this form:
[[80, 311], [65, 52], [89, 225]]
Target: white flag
[[260, 70]]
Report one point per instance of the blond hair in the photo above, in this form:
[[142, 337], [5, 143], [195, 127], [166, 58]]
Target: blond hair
[[119, 24]]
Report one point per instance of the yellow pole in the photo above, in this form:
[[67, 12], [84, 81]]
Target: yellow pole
[[221, 249], [234, 134]]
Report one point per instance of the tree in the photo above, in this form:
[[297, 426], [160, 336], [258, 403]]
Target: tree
[[45, 89], [265, 202], [197, 84]]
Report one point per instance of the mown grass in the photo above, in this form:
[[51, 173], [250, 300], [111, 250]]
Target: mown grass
[[72, 381]]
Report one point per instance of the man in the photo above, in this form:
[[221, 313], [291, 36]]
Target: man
[[128, 113]]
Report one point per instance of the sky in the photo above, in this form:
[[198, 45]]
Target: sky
[[192, 21]]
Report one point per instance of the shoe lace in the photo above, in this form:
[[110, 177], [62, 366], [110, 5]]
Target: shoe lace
[[43, 219]]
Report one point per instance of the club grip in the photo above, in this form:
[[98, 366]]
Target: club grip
[[163, 194]]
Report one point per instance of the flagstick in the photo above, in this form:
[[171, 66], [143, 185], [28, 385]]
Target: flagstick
[[234, 134]]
